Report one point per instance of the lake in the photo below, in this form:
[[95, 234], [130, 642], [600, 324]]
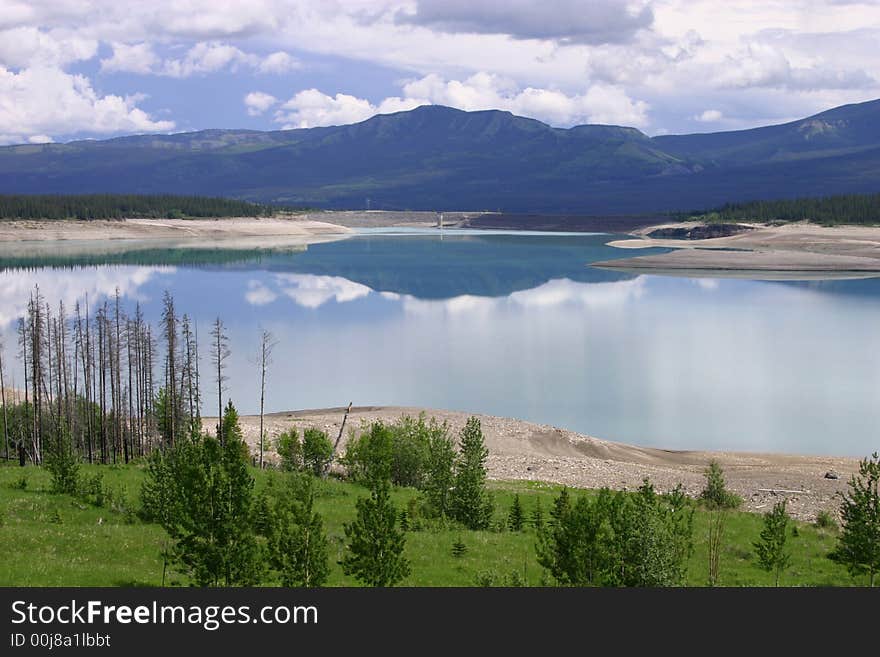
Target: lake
[[515, 325]]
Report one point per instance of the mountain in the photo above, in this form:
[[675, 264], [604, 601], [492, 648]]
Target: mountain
[[436, 157]]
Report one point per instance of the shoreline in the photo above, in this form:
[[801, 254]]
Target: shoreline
[[798, 251], [227, 232], [522, 450]]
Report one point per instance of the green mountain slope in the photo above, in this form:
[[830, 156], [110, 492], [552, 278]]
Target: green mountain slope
[[436, 157]]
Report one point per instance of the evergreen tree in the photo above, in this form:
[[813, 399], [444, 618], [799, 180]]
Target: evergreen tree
[[538, 515], [770, 550], [298, 546], [471, 503], [62, 461], [858, 546], [715, 494], [374, 550], [516, 517], [207, 494], [439, 476]]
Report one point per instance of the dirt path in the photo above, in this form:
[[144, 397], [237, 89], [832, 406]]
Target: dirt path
[[521, 450]]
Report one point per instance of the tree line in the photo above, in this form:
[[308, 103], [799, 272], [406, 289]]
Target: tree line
[[828, 210], [125, 206]]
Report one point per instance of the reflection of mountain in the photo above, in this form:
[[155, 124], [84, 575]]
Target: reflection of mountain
[[423, 266], [313, 291], [124, 252], [428, 268]]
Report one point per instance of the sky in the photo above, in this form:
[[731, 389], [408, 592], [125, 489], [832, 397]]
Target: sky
[[73, 69]]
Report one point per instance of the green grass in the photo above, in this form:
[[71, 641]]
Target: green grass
[[57, 540]]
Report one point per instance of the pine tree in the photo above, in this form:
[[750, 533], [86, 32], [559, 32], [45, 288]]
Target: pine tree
[[202, 493], [471, 503], [439, 476], [538, 515], [770, 550], [516, 517], [858, 546], [298, 546], [374, 550]]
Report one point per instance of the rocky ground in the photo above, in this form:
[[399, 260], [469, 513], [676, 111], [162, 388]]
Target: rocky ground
[[521, 450]]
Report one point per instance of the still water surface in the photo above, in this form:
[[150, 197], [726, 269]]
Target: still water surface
[[516, 325]]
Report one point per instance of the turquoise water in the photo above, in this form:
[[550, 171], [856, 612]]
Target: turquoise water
[[517, 325]]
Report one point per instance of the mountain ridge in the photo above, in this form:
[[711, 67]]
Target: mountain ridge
[[436, 157]]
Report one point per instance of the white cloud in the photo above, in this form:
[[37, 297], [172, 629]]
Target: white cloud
[[40, 139], [201, 59], [56, 285], [310, 108], [278, 62], [596, 21], [23, 47], [208, 58], [258, 294], [565, 60], [311, 291], [601, 103], [710, 116], [131, 58], [42, 101], [258, 102]]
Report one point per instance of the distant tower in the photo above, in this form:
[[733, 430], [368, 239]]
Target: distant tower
[[368, 204]]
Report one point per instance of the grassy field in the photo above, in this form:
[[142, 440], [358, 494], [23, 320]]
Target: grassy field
[[57, 540]]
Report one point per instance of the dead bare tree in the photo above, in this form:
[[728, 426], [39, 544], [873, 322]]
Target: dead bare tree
[[220, 353], [3, 400], [267, 345]]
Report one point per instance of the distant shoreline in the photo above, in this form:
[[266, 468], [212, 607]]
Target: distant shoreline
[[790, 251]]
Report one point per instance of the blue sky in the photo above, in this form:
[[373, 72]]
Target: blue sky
[[99, 68]]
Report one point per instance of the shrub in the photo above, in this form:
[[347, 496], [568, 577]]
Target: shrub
[[290, 450], [21, 483], [368, 457], [618, 539], [62, 462], [858, 546], [825, 520], [317, 451], [715, 494]]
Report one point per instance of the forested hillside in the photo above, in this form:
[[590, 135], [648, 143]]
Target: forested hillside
[[130, 206], [831, 210]]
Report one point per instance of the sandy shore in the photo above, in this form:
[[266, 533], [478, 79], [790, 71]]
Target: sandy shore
[[799, 250], [234, 232], [520, 450]]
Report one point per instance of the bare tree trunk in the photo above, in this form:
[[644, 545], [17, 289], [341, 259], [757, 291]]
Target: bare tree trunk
[[220, 346], [3, 400], [267, 344]]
